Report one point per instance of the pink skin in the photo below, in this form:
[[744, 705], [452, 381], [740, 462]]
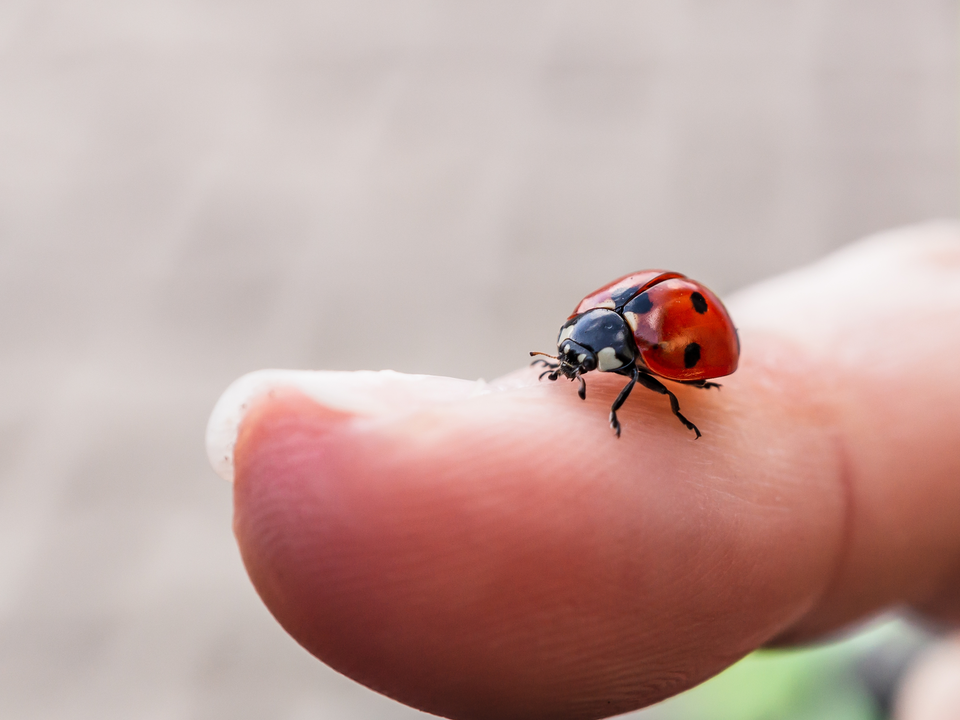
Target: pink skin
[[504, 556], [931, 690]]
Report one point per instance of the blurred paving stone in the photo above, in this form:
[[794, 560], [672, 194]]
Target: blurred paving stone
[[189, 191]]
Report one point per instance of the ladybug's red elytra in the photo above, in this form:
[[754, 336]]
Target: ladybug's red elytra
[[648, 325]]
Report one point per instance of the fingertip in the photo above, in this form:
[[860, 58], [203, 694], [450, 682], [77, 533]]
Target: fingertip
[[360, 393], [506, 556]]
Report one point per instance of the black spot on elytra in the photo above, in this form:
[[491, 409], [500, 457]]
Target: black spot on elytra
[[699, 304], [640, 304], [622, 296], [691, 355]]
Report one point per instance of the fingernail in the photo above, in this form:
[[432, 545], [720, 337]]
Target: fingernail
[[364, 393]]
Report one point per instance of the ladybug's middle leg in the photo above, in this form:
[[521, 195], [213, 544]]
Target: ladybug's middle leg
[[650, 382], [622, 398]]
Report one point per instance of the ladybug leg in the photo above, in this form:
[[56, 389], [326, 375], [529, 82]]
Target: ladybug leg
[[552, 368], [702, 384], [622, 398], [582, 390], [651, 383]]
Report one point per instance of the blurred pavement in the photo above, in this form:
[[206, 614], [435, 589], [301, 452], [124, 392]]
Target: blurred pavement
[[189, 191]]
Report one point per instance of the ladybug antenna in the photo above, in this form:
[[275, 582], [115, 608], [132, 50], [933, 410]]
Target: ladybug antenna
[[534, 352]]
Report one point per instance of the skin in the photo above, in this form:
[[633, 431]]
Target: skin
[[931, 690], [503, 556]]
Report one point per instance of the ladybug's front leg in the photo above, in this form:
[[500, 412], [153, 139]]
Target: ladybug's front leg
[[553, 369], [650, 382], [553, 372]]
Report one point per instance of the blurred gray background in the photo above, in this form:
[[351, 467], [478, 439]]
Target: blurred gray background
[[193, 190]]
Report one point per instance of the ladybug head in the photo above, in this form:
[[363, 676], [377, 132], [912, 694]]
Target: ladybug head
[[575, 359], [598, 339]]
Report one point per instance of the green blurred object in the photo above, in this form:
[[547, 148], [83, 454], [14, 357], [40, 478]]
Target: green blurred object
[[848, 680], [782, 684]]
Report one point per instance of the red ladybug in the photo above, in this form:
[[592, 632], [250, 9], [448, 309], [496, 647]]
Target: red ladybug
[[647, 325]]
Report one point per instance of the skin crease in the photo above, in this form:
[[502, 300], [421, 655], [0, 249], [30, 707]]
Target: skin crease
[[503, 556]]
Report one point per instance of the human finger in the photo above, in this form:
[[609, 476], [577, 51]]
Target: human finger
[[498, 553], [931, 689]]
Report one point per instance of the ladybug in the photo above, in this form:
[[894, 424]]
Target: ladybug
[[648, 325]]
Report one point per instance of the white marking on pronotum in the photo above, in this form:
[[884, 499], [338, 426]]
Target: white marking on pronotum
[[631, 319], [609, 304], [565, 333], [608, 360]]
